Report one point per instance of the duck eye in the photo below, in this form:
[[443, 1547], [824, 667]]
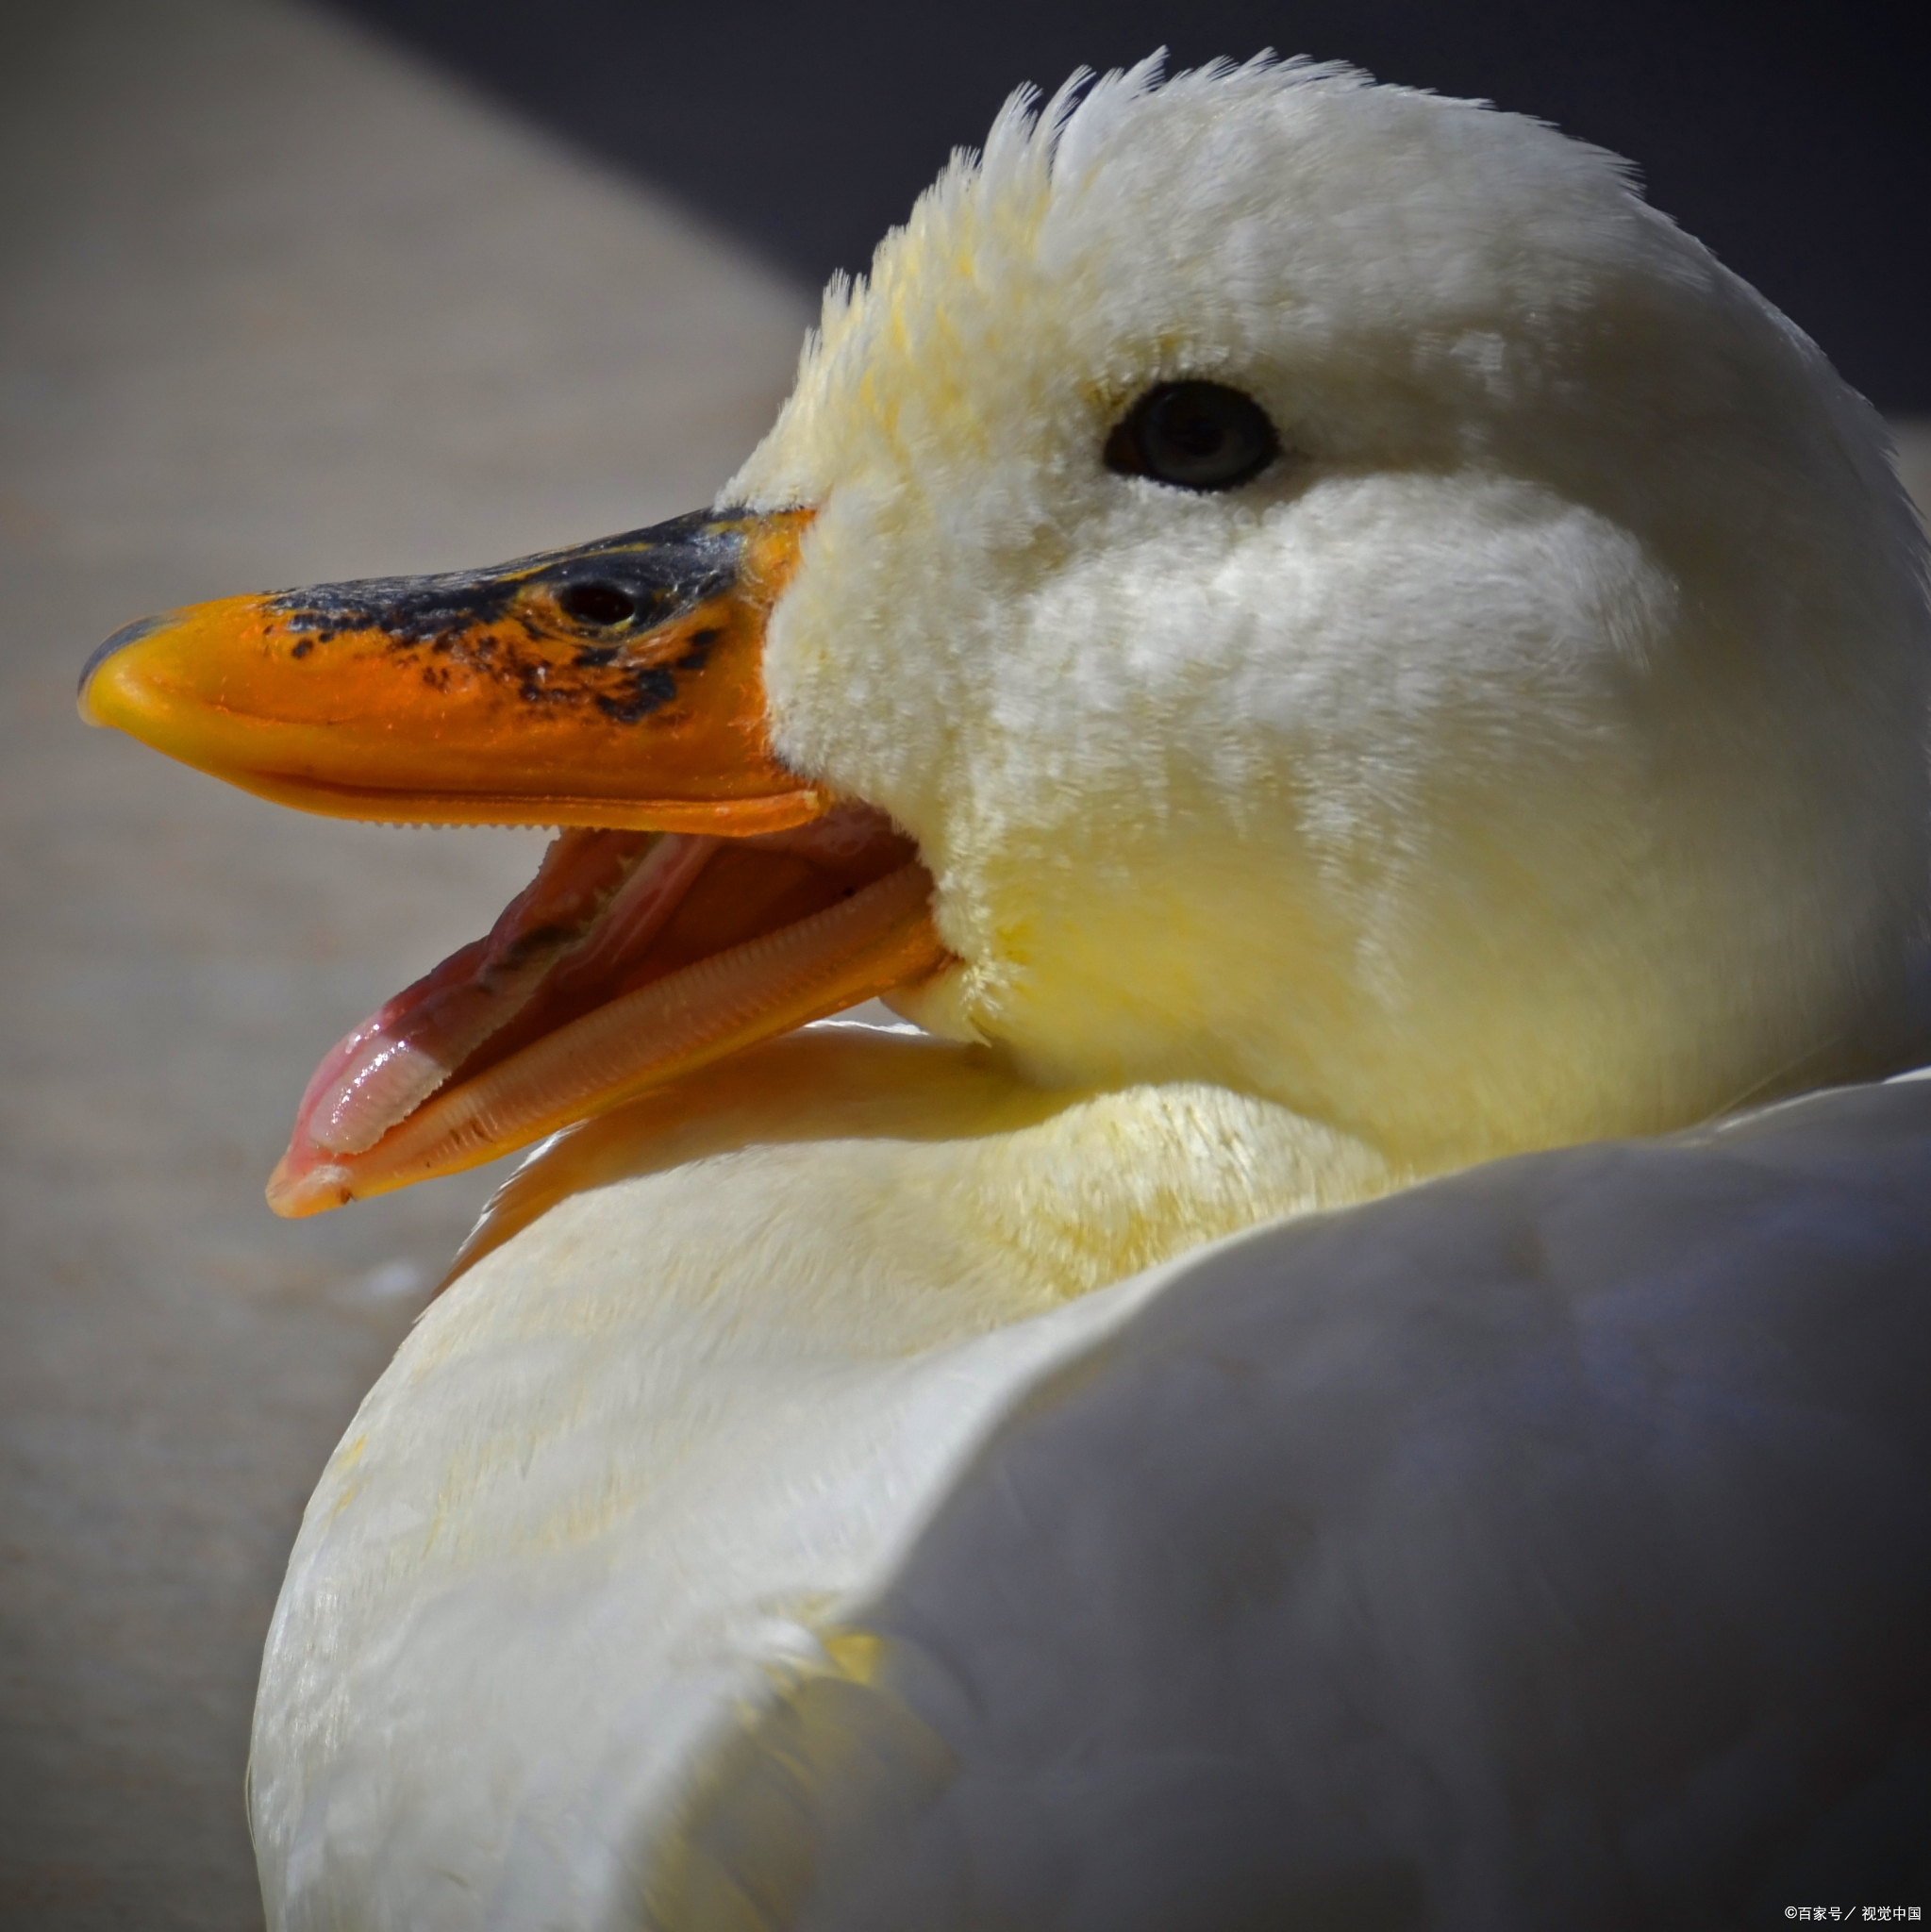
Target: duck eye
[[597, 603], [1194, 434]]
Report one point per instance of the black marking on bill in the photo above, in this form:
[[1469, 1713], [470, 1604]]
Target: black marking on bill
[[657, 573], [650, 688]]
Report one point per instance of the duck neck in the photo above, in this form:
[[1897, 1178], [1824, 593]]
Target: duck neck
[[863, 1190]]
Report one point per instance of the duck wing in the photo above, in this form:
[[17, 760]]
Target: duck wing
[[1546, 1546]]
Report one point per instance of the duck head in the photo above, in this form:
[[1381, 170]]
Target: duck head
[[1272, 580]]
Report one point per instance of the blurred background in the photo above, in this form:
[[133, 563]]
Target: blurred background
[[293, 293]]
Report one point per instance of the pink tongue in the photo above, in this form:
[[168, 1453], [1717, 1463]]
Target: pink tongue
[[593, 908]]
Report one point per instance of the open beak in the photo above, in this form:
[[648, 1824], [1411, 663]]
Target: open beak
[[710, 899]]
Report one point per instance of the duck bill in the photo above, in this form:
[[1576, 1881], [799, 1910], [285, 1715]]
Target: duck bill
[[619, 684], [705, 897]]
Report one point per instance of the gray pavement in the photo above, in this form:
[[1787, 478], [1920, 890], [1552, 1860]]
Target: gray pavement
[[275, 306]]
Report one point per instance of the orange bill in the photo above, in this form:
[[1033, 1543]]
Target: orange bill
[[620, 684], [710, 899]]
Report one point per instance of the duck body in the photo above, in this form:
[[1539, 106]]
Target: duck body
[[1316, 643], [1541, 1545]]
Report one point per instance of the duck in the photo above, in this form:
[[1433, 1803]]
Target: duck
[[1363, 702]]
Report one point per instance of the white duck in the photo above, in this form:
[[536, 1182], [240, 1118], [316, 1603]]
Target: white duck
[[1389, 656]]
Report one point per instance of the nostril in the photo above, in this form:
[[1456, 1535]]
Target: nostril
[[127, 634], [597, 603]]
